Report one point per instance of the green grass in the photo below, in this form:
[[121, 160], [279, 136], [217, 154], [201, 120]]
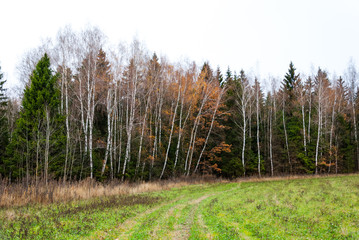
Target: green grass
[[313, 208]]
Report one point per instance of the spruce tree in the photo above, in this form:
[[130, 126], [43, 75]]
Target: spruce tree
[[219, 77], [291, 128], [290, 80], [39, 135]]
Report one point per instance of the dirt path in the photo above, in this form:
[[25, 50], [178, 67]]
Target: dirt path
[[161, 230], [130, 223], [183, 231], [169, 220]]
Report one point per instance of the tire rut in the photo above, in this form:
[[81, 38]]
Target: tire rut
[[183, 231], [130, 223]]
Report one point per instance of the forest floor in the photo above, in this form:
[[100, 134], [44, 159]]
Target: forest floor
[[310, 208]]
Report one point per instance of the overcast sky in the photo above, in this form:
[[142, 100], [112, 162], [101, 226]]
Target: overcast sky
[[261, 36]]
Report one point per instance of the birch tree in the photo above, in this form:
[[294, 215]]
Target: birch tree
[[134, 74], [351, 76], [321, 87], [258, 103], [91, 42], [243, 96], [65, 50]]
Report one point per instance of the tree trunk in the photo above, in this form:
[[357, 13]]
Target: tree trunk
[[332, 131], [318, 138], [142, 133], [244, 138], [286, 138], [180, 131], [47, 144], [67, 127], [193, 138], [109, 133], [310, 112], [210, 129], [179, 136], [270, 141], [304, 131], [130, 125], [258, 147], [120, 116], [172, 126]]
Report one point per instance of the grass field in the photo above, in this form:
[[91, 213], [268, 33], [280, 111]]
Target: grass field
[[311, 208]]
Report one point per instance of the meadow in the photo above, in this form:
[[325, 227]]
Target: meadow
[[283, 208]]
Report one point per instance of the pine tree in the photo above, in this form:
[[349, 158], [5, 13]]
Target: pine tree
[[39, 134]]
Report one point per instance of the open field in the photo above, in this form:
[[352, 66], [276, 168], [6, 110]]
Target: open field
[[310, 208]]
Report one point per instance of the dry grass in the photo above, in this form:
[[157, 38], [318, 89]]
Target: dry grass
[[20, 194]]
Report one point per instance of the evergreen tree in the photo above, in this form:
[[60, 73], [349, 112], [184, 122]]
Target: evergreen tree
[[4, 136], [290, 81], [39, 135], [207, 71], [219, 77], [290, 129]]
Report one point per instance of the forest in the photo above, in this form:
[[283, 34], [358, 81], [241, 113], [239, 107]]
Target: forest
[[91, 110]]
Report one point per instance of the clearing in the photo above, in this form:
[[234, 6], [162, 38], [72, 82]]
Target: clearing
[[310, 208]]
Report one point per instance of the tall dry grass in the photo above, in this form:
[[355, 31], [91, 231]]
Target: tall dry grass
[[20, 194]]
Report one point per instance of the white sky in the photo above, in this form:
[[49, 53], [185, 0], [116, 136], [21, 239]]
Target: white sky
[[257, 35]]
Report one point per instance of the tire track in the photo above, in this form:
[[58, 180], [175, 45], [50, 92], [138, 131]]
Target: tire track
[[129, 224], [183, 231]]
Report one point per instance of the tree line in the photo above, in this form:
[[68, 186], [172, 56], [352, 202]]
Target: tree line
[[123, 113]]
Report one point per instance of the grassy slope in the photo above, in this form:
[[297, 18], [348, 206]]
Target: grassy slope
[[317, 208]]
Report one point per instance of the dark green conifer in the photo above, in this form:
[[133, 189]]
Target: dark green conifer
[[39, 116]]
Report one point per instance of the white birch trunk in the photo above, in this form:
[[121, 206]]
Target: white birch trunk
[[332, 131], [109, 134], [142, 133], [179, 136], [258, 147], [244, 138], [310, 112], [318, 137], [286, 137], [270, 141], [47, 143], [67, 129], [210, 129], [130, 126], [172, 126], [303, 122], [193, 138]]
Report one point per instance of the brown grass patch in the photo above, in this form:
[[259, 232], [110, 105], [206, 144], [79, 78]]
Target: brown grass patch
[[20, 194]]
